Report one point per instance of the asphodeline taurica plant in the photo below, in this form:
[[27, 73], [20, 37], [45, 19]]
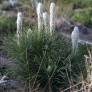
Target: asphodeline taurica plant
[[40, 15], [52, 16], [75, 38]]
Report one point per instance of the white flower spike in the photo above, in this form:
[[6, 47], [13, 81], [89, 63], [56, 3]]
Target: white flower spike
[[19, 22], [46, 20], [52, 16], [75, 38], [19, 26], [40, 16]]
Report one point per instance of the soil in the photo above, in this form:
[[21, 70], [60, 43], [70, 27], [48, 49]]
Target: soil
[[66, 28]]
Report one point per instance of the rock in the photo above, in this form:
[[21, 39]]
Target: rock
[[83, 29], [9, 85]]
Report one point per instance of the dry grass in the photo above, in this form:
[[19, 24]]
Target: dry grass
[[84, 85]]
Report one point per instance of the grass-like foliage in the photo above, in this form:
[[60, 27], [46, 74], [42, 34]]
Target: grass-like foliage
[[7, 24], [81, 16], [43, 60]]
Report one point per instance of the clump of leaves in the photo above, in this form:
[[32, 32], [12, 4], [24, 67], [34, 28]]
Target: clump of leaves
[[42, 60]]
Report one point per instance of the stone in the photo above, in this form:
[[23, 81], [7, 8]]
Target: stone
[[9, 85]]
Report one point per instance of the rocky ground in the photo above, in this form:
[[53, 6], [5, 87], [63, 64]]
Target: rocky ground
[[66, 27], [62, 25]]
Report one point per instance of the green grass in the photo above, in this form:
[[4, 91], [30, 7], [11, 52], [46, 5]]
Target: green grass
[[45, 60], [83, 16], [7, 24]]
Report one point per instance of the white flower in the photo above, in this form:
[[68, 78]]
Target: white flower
[[19, 26], [19, 22], [52, 16], [75, 38], [39, 15], [46, 20]]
